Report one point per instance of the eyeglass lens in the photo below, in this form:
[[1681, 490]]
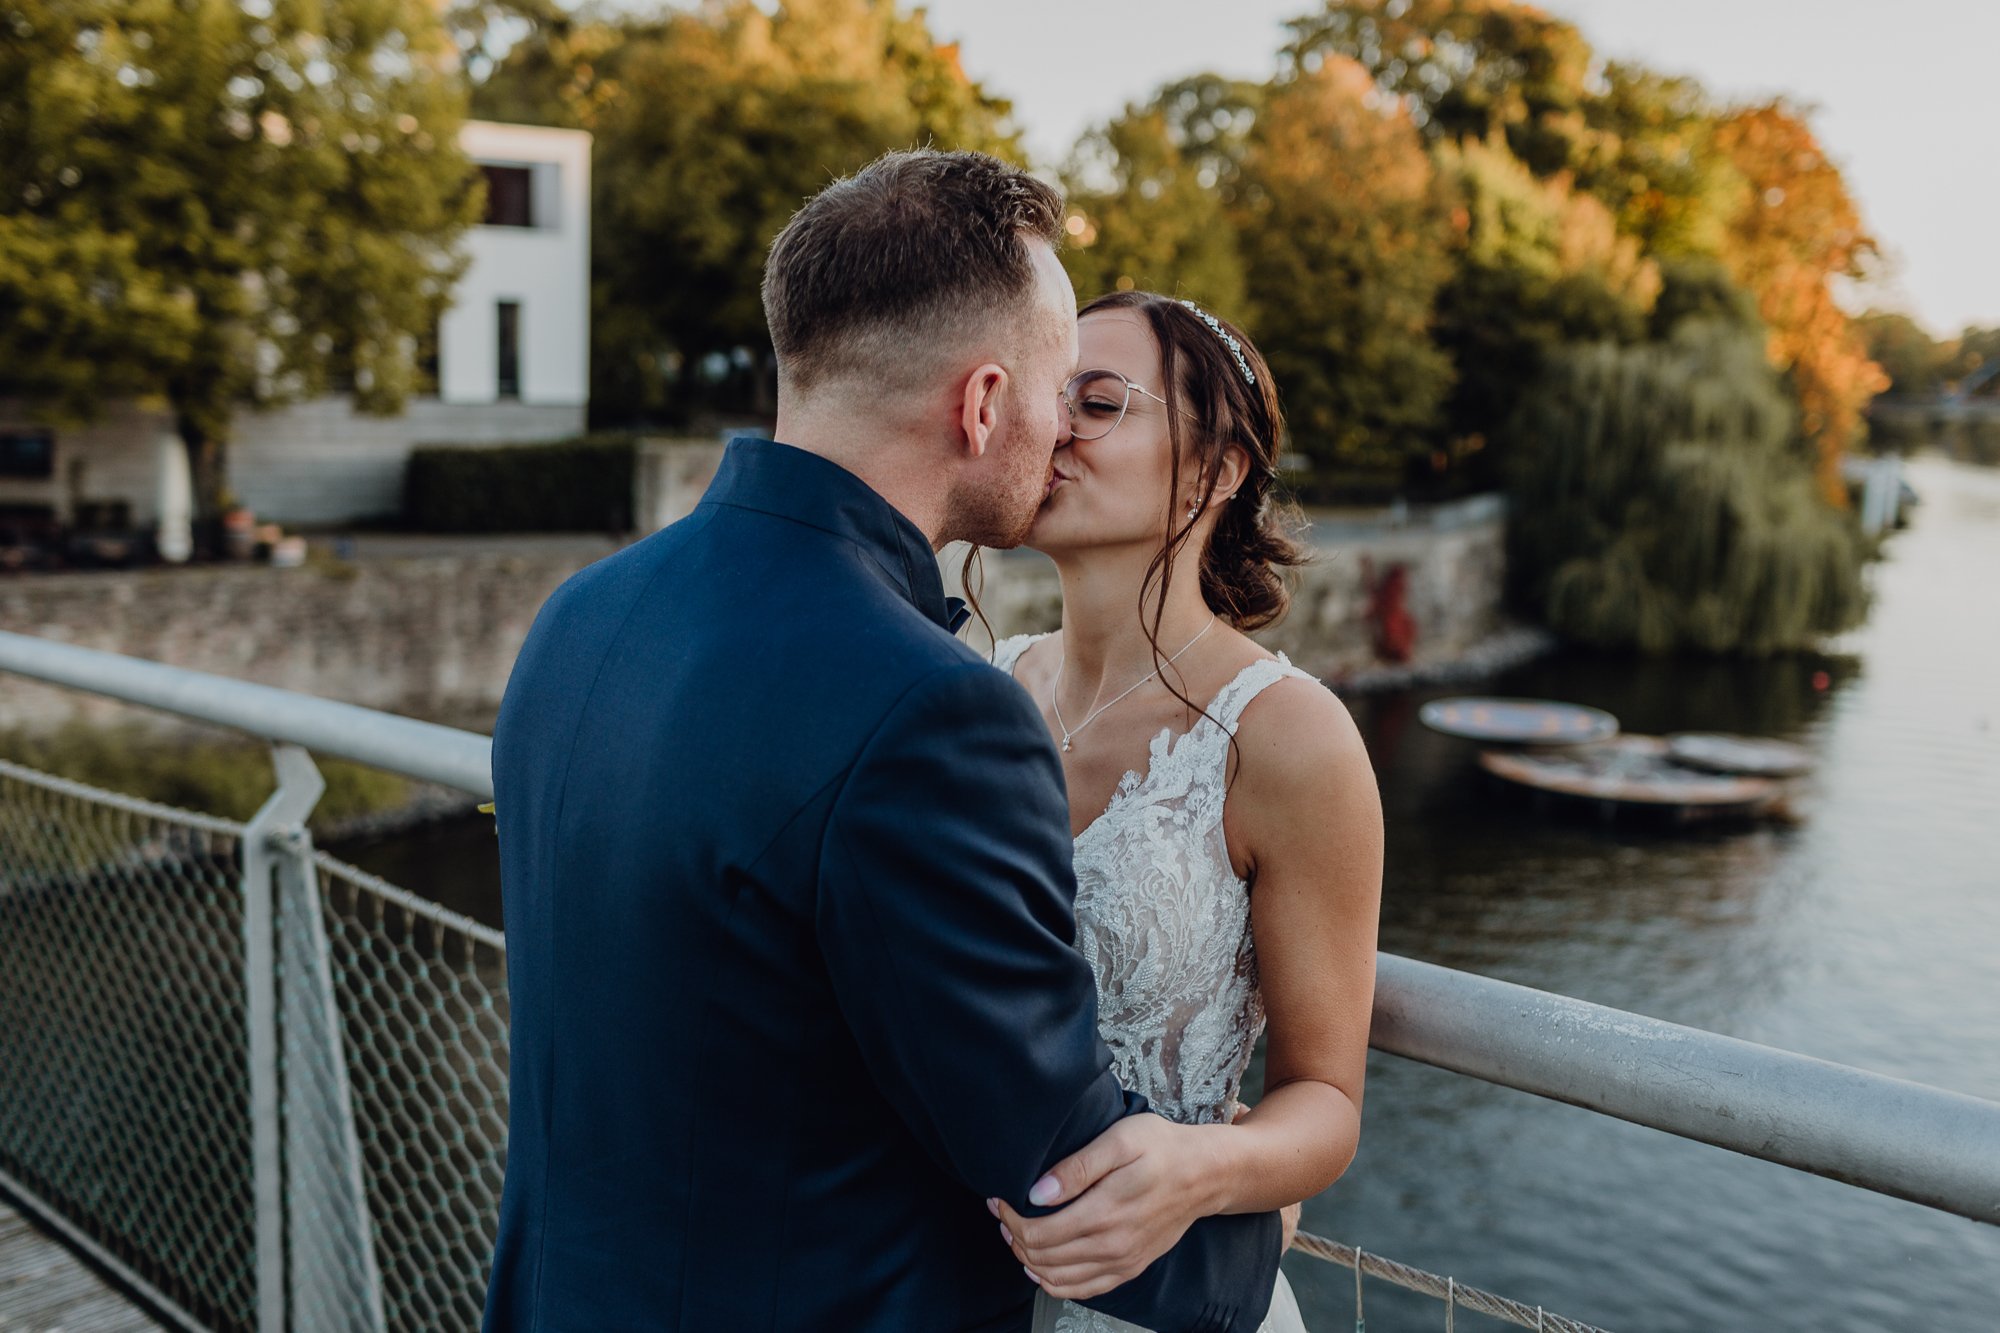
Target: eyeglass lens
[[1097, 400]]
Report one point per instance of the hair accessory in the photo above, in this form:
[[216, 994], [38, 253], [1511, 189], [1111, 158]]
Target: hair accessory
[[1228, 338]]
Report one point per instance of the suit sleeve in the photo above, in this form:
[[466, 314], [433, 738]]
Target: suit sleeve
[[945, 916]]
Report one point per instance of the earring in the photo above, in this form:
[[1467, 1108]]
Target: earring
[[1194, 511]]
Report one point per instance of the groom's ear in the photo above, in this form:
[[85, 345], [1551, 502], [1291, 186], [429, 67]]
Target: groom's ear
[[979, 410]]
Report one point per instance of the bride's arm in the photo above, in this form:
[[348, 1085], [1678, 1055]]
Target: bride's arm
[[1305, 821]]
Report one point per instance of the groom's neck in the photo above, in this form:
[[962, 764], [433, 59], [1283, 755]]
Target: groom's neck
[[890, 462]]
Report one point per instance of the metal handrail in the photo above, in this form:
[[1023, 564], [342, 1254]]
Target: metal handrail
[[445, 755], [1888, 1135]]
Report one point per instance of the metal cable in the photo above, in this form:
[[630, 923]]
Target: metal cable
[[1431, 1284]]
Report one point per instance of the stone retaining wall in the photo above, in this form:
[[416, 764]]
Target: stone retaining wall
[[1409, 595], [431, 633], [430, 626]]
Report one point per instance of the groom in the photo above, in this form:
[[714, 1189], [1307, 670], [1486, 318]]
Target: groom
[[786, 867]]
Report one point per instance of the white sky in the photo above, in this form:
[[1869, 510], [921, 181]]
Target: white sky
[[1907, 96]]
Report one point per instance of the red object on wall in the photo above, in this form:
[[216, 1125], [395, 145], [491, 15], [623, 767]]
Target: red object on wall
[[1389, 615]]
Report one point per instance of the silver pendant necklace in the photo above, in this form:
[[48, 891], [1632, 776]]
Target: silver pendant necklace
[[1068, 734]]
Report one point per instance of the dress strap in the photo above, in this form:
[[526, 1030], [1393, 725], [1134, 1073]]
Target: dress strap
[[1250, 682], [1008, 651]]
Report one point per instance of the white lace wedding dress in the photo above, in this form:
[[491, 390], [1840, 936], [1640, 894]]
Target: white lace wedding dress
[[1165, 923]]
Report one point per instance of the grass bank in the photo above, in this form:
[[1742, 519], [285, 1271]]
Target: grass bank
[[216, 775]]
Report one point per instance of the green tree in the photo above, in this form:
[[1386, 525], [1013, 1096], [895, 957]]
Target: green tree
[[1658, 167], [1913, 360], [541, 65], [711, 127], [1539, 266], [213, 205], [1148, 204], [1345, 245], [1659, 501], [1969, 352]]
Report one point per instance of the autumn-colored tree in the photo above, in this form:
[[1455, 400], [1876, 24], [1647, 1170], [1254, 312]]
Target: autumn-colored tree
[[210, 205], [1657, 167], [1345, 245], [1468, 69], [1539, 266], [1148, 204], [1798, 233]]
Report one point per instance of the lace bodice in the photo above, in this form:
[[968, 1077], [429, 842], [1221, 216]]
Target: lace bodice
[[1163, 918], [1165, 923]]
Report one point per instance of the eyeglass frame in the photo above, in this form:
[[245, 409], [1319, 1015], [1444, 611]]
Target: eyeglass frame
[[1070, 405]]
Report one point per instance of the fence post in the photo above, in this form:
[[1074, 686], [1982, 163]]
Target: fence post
[[299, 788], [335, 1278]]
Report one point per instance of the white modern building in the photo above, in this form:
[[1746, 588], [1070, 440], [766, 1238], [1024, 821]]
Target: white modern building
[[513, 365]]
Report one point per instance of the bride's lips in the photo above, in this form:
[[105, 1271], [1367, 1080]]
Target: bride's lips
[[1056, 478]]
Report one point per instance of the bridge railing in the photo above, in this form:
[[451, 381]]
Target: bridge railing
[[265, 1088], [269, 1089]]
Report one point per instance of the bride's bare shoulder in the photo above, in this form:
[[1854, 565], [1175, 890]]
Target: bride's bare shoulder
[[1298, 750]]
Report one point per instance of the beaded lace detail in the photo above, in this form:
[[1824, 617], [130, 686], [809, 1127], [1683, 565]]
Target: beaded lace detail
[[1165, 923]]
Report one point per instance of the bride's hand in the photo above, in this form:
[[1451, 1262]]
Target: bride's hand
[[1136, 1189]]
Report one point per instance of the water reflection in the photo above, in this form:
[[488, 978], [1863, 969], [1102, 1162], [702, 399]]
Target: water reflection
[[1862, 934]]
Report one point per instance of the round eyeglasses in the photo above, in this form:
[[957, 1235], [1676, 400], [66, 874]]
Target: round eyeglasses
[[1097, 400]]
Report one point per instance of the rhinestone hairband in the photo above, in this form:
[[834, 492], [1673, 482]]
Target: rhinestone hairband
[[1228, 339]]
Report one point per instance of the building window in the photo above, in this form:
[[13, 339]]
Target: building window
[[27, 453], [510, 349], [510, 196]]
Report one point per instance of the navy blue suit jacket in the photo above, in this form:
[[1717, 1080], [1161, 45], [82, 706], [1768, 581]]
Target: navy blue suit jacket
[[786, 872]]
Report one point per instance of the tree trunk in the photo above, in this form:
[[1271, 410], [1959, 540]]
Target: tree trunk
[[205, 470]]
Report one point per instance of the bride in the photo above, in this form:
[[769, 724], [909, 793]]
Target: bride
[[1227, 826]]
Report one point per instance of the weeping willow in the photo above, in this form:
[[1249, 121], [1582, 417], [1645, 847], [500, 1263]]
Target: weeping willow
[[1661, 501]]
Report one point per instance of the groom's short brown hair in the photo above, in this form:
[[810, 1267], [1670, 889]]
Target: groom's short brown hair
[[908, 254]]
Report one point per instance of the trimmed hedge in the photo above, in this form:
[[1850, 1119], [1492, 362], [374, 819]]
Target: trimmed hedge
[[579, 485]]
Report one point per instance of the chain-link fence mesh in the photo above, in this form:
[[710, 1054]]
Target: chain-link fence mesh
[[127, 1100], [430, 1103], [123, 1054]]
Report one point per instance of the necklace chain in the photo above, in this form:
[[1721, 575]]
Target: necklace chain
[[1055, 695]]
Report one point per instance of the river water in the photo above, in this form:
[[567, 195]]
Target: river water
[[1866, 931]]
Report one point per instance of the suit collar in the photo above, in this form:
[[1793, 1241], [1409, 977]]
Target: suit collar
[[788, 482]]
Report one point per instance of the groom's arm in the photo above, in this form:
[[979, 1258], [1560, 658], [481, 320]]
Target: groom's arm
[[945, 917]]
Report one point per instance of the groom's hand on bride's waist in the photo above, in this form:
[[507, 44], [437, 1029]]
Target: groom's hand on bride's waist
[[1122, 1201]]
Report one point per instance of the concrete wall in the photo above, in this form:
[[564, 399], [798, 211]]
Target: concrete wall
[[322, 462], [429, 626], [431, 631], [1449, 560], [316, 462], [1451, 563]]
